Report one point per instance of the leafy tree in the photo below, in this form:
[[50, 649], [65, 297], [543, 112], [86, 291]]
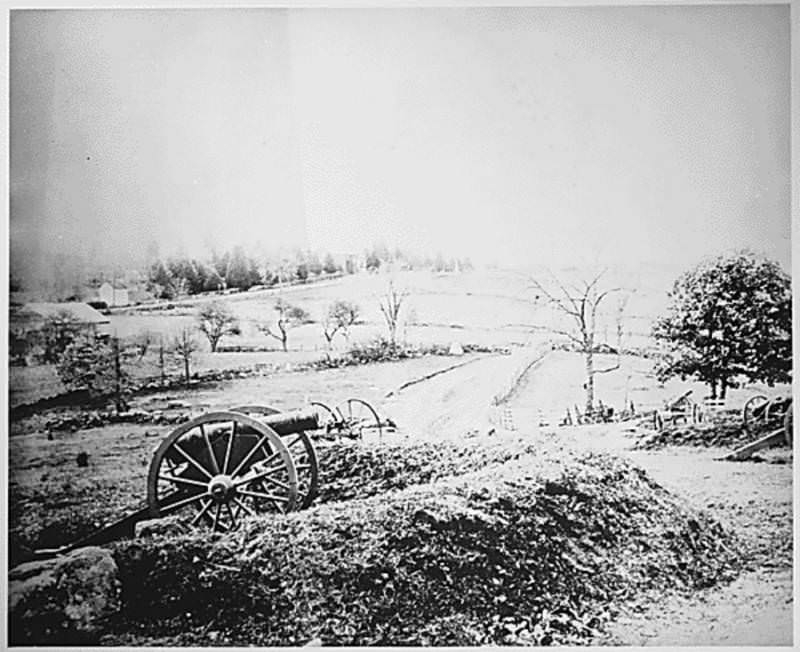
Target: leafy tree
[[97, 366], [159, 281], [184, 346], [350, 265], [215, 320], [329, 266], [341, 315], [301, 271], [57, 333], [730, 318], [288, 317], [373, 263], [314, 265]]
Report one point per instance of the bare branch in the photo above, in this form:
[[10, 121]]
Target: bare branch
[[605, 371]]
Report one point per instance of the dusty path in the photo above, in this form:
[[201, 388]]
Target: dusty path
[[454, 403]]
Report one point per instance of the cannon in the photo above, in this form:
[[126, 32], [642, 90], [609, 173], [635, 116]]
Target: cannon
[[682, 408], [350, 419], [222, 466]]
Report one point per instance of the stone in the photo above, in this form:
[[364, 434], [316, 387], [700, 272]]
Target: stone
[[456, 349], [63, 599]]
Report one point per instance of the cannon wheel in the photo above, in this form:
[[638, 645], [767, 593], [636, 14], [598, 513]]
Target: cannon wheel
[[222, 466], [331, 421], [359, 416], [748, 418], [771, 413], [303, 454]]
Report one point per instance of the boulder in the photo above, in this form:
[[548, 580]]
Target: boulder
[[62, 600], [456, 349]]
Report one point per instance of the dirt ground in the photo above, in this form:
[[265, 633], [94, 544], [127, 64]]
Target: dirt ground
[[752, 498]]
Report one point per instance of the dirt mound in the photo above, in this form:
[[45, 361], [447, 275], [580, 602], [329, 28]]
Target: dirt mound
[[723, 433], [533, 552], [351, 470]]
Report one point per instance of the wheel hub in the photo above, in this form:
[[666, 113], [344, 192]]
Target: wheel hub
[[221, 488]]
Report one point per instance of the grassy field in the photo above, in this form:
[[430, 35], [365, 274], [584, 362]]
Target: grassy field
[[486, 307]]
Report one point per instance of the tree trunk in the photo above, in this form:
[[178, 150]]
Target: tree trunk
[[589, 381], [186, 369], [213, 342], [117, 377], [723, 389], [161, 362]]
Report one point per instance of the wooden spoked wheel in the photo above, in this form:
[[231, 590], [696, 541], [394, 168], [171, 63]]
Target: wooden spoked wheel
[[753, 409], [358, 417], [219, 468], [303, 454], [330, 421]]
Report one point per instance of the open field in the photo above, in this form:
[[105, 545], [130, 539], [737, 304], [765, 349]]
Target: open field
[[54, 501]]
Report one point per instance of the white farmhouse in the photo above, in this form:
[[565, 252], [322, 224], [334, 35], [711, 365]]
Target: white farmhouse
[[113, 296]]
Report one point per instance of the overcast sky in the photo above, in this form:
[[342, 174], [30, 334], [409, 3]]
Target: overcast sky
[[530, 134]]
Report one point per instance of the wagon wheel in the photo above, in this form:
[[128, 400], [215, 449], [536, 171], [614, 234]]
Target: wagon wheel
[[221, 467], [359, 417], [331, 422], [753, 403], [303, 454], [771, 411]]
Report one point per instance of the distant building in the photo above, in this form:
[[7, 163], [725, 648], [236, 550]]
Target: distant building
[[113, 295], [32, 316]]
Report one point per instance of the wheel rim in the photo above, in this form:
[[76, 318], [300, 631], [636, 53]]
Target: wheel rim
[[333, 422], [752, 403], [221, 467], [359, 417], [304, 456]]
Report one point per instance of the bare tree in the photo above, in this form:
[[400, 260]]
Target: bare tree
[[289, 316], [390, 304], [183, 346], [215, 320], [580, 303], [341, 315]]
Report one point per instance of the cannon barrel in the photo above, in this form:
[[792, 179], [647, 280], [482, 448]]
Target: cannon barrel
[[288, 423]]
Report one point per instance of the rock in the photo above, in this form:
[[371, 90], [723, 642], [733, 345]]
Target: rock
[[456, 349], [160, 527], [64, 599]]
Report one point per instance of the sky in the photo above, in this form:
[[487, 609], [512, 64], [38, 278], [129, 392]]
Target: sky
[[512, 135]]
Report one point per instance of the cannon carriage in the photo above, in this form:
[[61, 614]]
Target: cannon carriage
[[221, 467]]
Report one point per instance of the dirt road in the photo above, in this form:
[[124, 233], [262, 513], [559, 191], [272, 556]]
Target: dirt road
[[454, 403]]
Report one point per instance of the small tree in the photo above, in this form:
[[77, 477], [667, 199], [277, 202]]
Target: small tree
[[183, 346], [96, 366], [329, 266], [288, 317], [581, 304], [341, 315], [215, 320], [729, 318], [57, 333], [390, 305]]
